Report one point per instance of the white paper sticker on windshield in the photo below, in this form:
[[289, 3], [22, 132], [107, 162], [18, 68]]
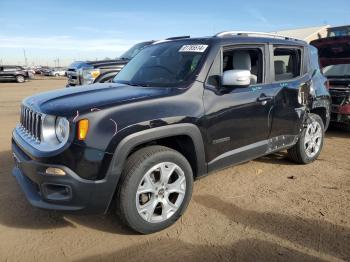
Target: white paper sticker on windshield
[[193, 48]]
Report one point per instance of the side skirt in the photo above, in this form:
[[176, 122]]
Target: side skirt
[[252, 151]]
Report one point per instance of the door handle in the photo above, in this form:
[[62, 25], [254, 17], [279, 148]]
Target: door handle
[[264, 99]]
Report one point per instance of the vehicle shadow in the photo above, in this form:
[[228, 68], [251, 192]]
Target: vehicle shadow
[[335, 131], [174, 250], [15, 210], [318, 235], [279, 158]]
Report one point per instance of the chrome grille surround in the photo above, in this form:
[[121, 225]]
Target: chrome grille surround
[[30, 124], [32, 127]]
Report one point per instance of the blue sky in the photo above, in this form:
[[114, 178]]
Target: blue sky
[[87, 29]]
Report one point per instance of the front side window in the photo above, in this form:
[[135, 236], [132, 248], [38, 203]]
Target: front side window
[[167, 64], [237, 59], [287, 62]]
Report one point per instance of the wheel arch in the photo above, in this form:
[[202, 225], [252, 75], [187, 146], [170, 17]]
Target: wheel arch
[[166, 135], [171, 136], [323, 113]]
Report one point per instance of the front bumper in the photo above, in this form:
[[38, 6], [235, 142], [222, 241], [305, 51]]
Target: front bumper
[[69, 193]]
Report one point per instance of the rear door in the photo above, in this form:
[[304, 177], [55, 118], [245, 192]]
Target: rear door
[[288, 76]]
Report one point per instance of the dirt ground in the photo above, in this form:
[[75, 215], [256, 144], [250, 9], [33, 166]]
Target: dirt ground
[[266, 210]]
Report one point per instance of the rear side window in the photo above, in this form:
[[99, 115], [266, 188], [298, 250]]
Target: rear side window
[[287, 63]]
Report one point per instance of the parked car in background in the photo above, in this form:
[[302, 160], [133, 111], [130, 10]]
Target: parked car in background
[[39, 70], [334, 54], [29, 70], [90, 72], [45, 71], [14, 73], [56, 72], [177, 111]]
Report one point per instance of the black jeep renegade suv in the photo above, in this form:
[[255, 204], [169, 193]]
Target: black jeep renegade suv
[[178, 111]]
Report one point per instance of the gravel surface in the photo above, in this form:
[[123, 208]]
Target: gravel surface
[[265, 210]]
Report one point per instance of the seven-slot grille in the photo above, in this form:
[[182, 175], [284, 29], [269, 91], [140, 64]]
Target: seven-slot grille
[[31, 122]]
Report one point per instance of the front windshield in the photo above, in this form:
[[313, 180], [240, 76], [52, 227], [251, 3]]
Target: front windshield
[[341, 71], [134, 50], [167, 64]]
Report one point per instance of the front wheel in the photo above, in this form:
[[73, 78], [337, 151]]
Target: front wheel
[[20, 79], [310, 143], [155, 190]]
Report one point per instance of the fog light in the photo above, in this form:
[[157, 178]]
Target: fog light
[[55, 171]]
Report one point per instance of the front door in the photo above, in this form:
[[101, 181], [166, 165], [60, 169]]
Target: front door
[[238, 120]]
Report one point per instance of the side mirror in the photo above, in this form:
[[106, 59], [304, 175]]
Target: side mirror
[[236, 78]]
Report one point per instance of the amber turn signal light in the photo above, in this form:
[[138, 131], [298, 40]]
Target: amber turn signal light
[[83, 128]]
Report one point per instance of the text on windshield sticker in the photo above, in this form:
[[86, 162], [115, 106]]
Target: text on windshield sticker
[[193, 48]]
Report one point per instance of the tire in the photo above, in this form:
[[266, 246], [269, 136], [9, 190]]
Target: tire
[[20, 79], [310, 143], [56, 75], [143, 212]]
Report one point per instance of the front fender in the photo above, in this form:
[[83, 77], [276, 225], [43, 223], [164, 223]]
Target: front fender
[[128, 143]]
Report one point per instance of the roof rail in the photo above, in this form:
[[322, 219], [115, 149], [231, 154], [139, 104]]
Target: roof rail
[[171, 39], [178, 37], [248, 33]]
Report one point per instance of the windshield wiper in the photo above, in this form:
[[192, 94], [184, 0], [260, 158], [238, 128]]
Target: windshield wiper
[[136, 84]]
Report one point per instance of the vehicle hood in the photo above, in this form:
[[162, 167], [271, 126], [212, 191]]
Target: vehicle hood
[[66, 102], [333, 50], [98, 64]]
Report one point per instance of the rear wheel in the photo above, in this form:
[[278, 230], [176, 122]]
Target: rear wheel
[[310, 143], [155, 190], [20, 79]]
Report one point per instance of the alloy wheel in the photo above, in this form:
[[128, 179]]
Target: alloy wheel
[[313, 139], [161, 192]]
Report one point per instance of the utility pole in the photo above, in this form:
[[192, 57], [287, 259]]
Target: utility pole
[[25, 57]]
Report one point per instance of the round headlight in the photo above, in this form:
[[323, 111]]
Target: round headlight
[[62, 129]]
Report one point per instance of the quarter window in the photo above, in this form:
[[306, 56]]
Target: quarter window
[[287, 63], [214, 76]]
